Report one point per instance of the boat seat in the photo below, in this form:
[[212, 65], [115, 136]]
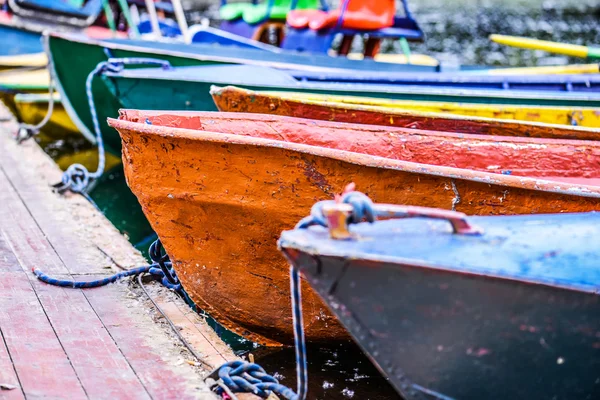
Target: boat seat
[[314, 31], [270, 10], [352, 14], [65, 12]]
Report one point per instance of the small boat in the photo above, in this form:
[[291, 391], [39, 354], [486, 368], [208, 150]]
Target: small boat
[[218, 187], [66, 50], [35, 60], [574, 116], [32, 108], [21, 80], [233, 99], [455, 307]]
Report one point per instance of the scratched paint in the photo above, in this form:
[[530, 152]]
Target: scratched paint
[[220, 201], [521, 156]]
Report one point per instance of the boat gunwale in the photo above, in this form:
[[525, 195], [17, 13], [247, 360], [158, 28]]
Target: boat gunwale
[[375, 129], [366, 160], [316, 246], [546, 95]]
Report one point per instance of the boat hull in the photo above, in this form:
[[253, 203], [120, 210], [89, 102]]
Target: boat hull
[[218, 202], [232, 99], [432, 328]]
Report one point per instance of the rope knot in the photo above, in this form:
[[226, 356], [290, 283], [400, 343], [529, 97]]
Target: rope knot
[[160, 258], [362, 209], [245, 377], [76, 179]]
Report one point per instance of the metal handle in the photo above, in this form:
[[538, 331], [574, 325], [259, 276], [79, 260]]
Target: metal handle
[[338, 217]]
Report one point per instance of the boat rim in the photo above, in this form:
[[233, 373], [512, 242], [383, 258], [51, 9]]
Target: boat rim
[[517, 182]]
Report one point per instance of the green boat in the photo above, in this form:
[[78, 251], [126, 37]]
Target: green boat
[[187, 86]]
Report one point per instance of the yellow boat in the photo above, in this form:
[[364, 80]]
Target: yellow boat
[[578, 116], [32, 108], [37, 60], [22, 80]]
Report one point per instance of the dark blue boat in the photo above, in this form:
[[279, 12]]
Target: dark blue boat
[[450, 307]]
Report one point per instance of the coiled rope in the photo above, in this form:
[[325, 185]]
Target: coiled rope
[[244, 377], [160, 267], [77, 178]]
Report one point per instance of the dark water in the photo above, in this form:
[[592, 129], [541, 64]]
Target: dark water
[[343, 372]]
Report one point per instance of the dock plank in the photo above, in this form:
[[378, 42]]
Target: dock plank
[[98, 361], [32, 179], [139, 344], [43, 367], [8, 375]]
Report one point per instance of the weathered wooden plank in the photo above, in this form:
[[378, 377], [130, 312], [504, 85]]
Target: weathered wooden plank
[[147, 348], [8, 261], [100, 365], [32, 182], [42, 365], [196, 331], [8, 376], [22, 234]]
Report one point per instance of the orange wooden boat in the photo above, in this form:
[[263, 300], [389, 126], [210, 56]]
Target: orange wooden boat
[[234, 99], [218, 188]]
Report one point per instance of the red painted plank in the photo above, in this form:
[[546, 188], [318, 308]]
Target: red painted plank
[[145, 349], [39, 359], [22, 234], [35, 195], [8, 375], [102, 369]]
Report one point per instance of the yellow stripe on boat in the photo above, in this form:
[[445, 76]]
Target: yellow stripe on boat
[[37, 79], [23, 60], [548, 70], [415, 59], [580, 116], [573, 50]]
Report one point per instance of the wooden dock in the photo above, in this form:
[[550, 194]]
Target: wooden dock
[[104, 343]]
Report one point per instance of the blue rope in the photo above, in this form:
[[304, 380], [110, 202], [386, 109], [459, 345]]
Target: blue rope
[[77, 178], [245, 377], [361, 204], [160, 267]]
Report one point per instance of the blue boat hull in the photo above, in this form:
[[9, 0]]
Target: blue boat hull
[[15, 41], [447, 316]]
